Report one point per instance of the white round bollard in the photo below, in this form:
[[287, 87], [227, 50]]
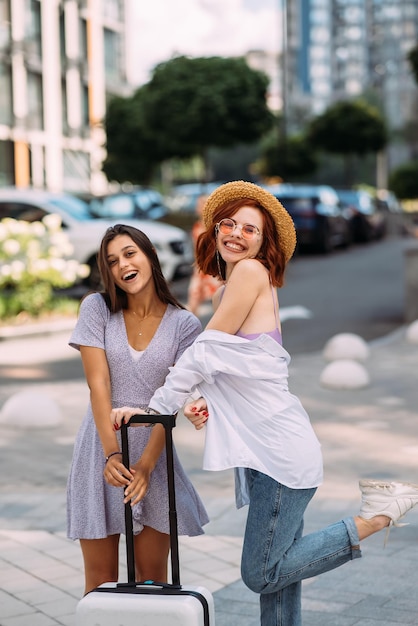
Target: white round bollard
[[346, 346], [30, 409], [412, 332], [344, 374]]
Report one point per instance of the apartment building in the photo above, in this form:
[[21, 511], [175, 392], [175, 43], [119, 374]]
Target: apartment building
[[344, 48], [60, 60]]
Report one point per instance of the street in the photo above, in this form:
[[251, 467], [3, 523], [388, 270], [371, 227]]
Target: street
[[358, 290], [369, 432]]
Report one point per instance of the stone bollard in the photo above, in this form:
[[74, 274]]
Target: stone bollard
[[411, 281], [346, 346], [344, 374], [412, 332], [345, 351], [30, 409]]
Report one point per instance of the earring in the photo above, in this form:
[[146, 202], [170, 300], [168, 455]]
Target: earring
[[219, 265]]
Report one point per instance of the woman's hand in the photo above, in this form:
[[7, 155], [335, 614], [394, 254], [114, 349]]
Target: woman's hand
[[123, 415], [138, 486], [197, 413], [116, 474]]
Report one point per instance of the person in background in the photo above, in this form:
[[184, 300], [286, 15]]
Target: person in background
[[201, 286], [128, 337], [254, 424]]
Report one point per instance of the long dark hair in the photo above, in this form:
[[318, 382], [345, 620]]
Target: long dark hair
[[115, 298], [270, 255]]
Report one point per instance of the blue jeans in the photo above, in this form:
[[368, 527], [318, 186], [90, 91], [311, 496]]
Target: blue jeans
[[276, 557]]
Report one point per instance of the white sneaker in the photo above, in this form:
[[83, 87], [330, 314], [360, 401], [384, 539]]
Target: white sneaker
[[393, 499]]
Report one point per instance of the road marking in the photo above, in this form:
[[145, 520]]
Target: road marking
[[297, 312]]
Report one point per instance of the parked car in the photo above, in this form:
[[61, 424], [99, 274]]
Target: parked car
[[183, 197], [172, 244], [367, 219], [138, 204], [319, 221]]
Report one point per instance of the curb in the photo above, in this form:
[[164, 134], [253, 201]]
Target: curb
[[40, 328]]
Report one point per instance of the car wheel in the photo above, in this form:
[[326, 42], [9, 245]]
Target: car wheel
[[325, 240]]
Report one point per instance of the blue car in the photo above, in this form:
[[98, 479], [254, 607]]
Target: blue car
[[320, 221]]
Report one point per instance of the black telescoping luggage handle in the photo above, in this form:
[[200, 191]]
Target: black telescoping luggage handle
[[169, 422]]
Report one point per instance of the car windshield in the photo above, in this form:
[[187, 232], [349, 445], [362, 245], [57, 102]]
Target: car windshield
[[78, 209], [360, 200], [297, 204]]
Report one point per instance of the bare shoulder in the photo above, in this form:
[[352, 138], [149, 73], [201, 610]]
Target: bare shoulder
[[250, 269]]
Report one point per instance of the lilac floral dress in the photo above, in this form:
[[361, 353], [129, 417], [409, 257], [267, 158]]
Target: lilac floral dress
[[95, 509]]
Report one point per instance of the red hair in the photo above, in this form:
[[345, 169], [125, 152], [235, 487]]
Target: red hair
[[270, 254]]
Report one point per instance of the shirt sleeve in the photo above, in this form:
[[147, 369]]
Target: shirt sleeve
[[182, 380], [189, 329], [91, 323]]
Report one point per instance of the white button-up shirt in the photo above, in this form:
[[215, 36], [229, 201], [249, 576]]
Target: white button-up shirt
[[254, 421]]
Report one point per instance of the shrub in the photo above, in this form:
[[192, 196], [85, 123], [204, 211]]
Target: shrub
[[35, 259]]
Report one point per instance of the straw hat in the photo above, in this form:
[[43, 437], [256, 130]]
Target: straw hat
[[242, 189]]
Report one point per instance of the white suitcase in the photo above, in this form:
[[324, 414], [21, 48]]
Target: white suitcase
[[148, 603]]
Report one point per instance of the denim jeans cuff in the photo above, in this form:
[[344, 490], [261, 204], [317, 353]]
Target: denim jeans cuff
[[353, 536]]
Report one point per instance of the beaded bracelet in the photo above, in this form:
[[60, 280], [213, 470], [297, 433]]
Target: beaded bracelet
[[111, 454]]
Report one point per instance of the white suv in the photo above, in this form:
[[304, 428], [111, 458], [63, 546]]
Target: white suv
[[173, 245]]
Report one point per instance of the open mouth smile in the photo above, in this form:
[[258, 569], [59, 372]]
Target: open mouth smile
[[232, 245], [130, 276]]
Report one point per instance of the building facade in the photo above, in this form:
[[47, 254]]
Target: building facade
[[337, 49], [60, 60]]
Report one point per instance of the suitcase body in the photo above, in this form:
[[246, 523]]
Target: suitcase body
[[148, 603], [191, 606]]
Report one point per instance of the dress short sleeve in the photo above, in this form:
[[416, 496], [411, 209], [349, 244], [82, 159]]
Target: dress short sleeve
[[91, 323], [189, 329]]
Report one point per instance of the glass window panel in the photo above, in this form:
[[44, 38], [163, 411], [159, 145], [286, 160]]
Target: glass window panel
[[5, 95], [35, 109], [112, 53], [6, 164], [112, 9]]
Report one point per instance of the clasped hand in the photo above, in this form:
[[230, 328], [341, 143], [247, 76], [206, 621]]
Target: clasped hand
[[123, 415], [196, 412], [135, 480]]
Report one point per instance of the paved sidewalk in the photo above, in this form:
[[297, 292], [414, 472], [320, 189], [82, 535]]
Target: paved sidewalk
[[365, 433]]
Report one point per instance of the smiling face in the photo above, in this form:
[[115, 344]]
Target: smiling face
[[233, 247], [129, 266]]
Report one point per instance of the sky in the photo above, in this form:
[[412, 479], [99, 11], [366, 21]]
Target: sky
[[161, 29]]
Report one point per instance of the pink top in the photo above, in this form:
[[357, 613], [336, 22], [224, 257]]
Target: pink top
[[274, 334]]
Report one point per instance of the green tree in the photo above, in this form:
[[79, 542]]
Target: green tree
[[349, 128], [189, 106], [132, 152], [403, 181], [290, 159], [413, 60]]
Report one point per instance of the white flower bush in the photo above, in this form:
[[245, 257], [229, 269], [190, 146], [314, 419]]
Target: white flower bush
[[35, 259]]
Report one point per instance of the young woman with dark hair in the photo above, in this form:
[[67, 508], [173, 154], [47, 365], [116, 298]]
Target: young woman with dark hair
[[128, 336]]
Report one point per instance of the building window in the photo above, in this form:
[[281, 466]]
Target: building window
[[112, 54], [33, 26], [7, 175], [76, 170], [112, 10], [35, 108], [5, 95], [85, 117]]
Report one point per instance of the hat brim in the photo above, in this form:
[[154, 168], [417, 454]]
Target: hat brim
[[242, 189]]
